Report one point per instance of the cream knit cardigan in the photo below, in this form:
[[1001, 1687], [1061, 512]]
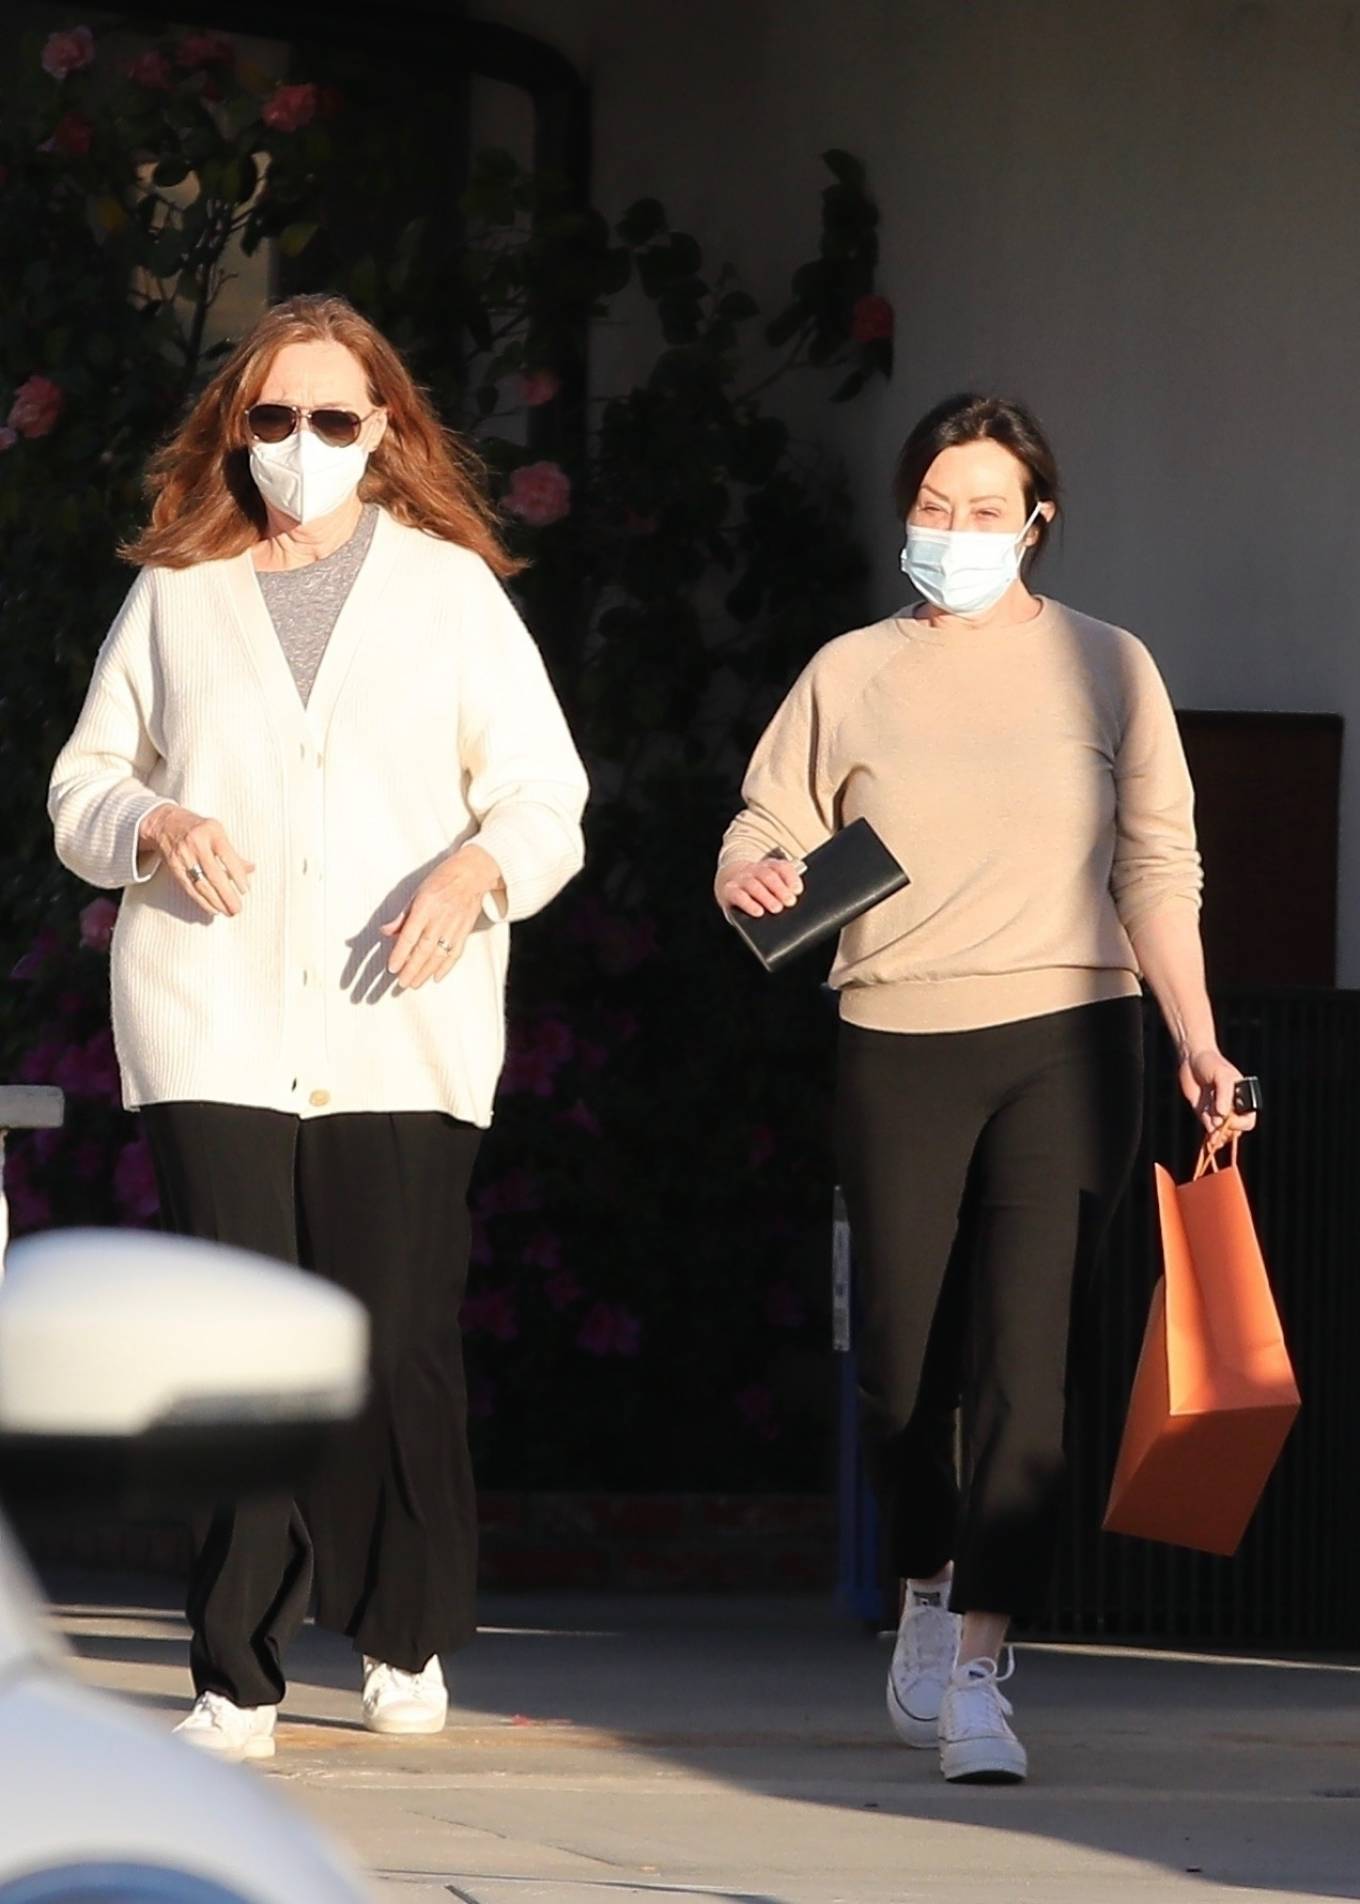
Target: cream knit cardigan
[[432, 722]]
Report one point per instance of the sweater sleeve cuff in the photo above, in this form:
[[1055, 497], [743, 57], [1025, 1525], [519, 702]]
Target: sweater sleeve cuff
[[142, 866]]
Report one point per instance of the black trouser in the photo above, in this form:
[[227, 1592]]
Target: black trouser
[[377, 1203], [980, 1171]]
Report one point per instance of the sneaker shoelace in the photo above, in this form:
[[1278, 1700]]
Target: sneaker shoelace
[[986, 1706], [216, 1708], [405, 1684], [931, 1637]]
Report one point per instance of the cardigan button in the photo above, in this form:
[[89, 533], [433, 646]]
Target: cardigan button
[[319, 1098]]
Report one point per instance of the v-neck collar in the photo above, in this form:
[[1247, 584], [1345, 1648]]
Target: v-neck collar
[[255, 627]]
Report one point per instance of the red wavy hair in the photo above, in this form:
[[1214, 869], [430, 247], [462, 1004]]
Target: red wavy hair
[[205, 505]]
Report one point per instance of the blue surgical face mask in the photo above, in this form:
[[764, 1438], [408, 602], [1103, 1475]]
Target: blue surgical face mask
[[964, 571]]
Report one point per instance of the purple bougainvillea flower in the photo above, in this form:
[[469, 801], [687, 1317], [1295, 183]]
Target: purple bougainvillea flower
[[511, 1195], [134, 1181], [491, 1312], [610, 1329], [47, 941], [543, 1250], [562, 1290], [39, 1066]]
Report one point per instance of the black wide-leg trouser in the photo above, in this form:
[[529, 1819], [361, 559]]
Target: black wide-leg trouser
[[387, 1533], [980, 1171]]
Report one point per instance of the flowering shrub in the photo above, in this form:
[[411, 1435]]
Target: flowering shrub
[[650, 1216]]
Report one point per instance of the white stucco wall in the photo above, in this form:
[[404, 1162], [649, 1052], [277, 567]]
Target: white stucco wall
[[1144, 218]]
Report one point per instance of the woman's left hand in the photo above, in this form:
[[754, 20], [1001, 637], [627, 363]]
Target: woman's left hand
[[1207, 1079], [431, 933]]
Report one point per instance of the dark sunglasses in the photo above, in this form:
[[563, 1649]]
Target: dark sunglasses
[[276, 422]]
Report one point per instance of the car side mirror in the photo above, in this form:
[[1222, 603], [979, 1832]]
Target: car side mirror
[[140, 1372]]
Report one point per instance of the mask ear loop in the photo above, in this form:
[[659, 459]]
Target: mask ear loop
[[1033, 514]]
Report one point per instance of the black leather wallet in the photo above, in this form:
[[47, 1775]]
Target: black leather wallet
[[852, 872]]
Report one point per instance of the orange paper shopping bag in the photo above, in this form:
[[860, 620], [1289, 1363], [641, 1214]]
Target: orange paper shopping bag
[[1214, 1397]]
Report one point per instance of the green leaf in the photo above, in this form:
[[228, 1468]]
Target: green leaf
[[850, 387], [294, 239]]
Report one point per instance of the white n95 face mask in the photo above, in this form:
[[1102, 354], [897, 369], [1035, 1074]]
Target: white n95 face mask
[[964, 571], [305, 478]]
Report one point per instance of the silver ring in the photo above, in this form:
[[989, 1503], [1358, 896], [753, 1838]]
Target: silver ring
[[194, 873], [443, 945]]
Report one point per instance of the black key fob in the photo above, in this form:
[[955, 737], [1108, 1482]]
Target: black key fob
[[1247, 1097]]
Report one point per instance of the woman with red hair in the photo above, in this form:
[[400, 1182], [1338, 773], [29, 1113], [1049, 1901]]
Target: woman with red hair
[[321, 756]]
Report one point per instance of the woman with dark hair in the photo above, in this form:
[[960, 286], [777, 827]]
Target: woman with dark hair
[[1023, 761], [321, 756]]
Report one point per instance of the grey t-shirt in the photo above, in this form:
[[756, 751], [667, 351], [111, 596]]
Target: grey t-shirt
[[304, 604]]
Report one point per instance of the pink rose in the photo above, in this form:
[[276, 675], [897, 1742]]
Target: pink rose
[[290, 108], [610, 1329], [36, 407], [96, 924], [8, 438], [72, 137], [538, 387], [493, 1312], [152, 70], [539, 494], [871, 319], [562, 1289], [205, 49], [134, 1181], [68, 51]]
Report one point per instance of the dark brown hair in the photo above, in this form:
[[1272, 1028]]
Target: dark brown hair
[[205, 504], [973, 419]]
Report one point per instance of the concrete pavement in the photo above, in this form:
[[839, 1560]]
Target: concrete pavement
[[673, 1750]]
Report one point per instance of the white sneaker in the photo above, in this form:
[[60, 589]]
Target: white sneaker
[[977, 1746], [229, 1732], [396, 1702], [922, 1661]]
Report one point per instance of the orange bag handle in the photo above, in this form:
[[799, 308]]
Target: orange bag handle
[[1209, 1164]]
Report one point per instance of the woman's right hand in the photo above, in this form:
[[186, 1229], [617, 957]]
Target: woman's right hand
[[760, 886], [185, 840]]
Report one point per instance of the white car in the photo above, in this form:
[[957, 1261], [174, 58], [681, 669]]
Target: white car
[[144, 1368]]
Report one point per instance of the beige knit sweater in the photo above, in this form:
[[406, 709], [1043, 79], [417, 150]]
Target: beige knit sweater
[[1029, 776]]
